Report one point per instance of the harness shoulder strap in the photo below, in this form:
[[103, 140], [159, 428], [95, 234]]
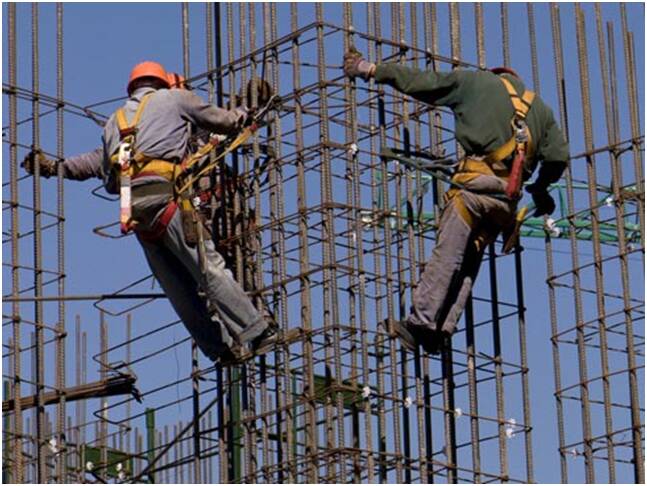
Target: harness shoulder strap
[[122, 121], [521, 106], [521, 103]]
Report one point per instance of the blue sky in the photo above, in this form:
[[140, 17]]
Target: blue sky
[[103, 41]]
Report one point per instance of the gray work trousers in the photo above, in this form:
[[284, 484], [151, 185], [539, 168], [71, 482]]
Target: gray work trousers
[[467, 224], [227, 316]]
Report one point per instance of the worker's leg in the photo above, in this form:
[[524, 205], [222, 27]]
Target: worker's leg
[[224, 295], [493, 215], [182, 291], [443, 270], [457, 299]]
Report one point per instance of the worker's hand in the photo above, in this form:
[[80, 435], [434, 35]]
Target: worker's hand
[[261, 88], [47, 166], [245, 116], [356, 66], [544, 202]]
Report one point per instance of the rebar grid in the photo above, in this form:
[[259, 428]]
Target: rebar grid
[[328, 236]]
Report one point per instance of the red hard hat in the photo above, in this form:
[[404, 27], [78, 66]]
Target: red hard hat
[[148, 69], [504, 70], [176, 80]]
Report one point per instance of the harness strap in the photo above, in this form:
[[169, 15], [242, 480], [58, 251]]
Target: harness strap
[[122, 121], [161, 168], [159, 228], [521, 103]]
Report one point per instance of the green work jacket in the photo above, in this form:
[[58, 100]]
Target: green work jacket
[[482, 111]]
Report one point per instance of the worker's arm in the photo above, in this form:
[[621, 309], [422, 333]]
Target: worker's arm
[[553, 153], [79, 168], [435, 88], [209, 117]]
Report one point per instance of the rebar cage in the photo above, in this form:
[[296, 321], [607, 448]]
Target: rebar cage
[[329, 236]]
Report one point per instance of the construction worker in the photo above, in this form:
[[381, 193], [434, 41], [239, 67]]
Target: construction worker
[[154, 127], [505, 131]]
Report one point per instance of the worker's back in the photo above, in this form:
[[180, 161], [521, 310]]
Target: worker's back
[[165, 126], [482, 109]]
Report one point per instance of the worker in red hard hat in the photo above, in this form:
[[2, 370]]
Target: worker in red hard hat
[[144, 144], [505, 131]]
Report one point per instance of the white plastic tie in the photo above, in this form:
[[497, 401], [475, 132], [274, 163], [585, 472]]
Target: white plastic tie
[[552, 228], [408, 402], [53, 445], [353, 149], [366, 392], [510, 430], [89, 466], [458, 412]]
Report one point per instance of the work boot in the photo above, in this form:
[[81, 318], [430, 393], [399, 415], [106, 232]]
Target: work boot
[[269, 337], [403, 332], [235, 353], [435, 341]]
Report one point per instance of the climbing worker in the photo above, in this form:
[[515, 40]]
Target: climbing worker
[[505, 130], [143, 159]]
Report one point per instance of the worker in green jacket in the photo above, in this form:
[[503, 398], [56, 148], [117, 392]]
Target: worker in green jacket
[[505, 131]]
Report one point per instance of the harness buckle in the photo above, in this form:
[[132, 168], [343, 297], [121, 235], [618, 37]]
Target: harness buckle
[[520, 131], [124, 154]]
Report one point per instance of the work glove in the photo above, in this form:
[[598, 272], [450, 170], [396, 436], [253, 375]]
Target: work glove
[[356, 66], [544, 202], [48, 167], [245, 116], [263, 91]]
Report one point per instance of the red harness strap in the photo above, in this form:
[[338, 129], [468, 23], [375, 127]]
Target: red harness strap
[[159, 228]]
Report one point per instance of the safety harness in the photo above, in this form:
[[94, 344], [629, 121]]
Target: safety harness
[[491, 165], [132, 164], [520, 144]]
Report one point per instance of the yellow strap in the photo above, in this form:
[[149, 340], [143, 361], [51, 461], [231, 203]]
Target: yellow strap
[[162, 168], [503, 152], [205, 149], [521, 104], [122, 121]]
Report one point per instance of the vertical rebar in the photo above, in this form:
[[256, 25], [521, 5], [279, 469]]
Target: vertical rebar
[[498, 366], [305, 315], [41, 442], [480, 35], [103, 375], [17, 465], [532, 38], [523, 357], [550, 272], [634, 117], [61, 463], [623, 248], [505, 34], [595, 220]]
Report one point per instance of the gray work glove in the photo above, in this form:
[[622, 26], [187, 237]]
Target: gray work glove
[[48, 167], [356, 66], [244, 116], [544, 202]]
